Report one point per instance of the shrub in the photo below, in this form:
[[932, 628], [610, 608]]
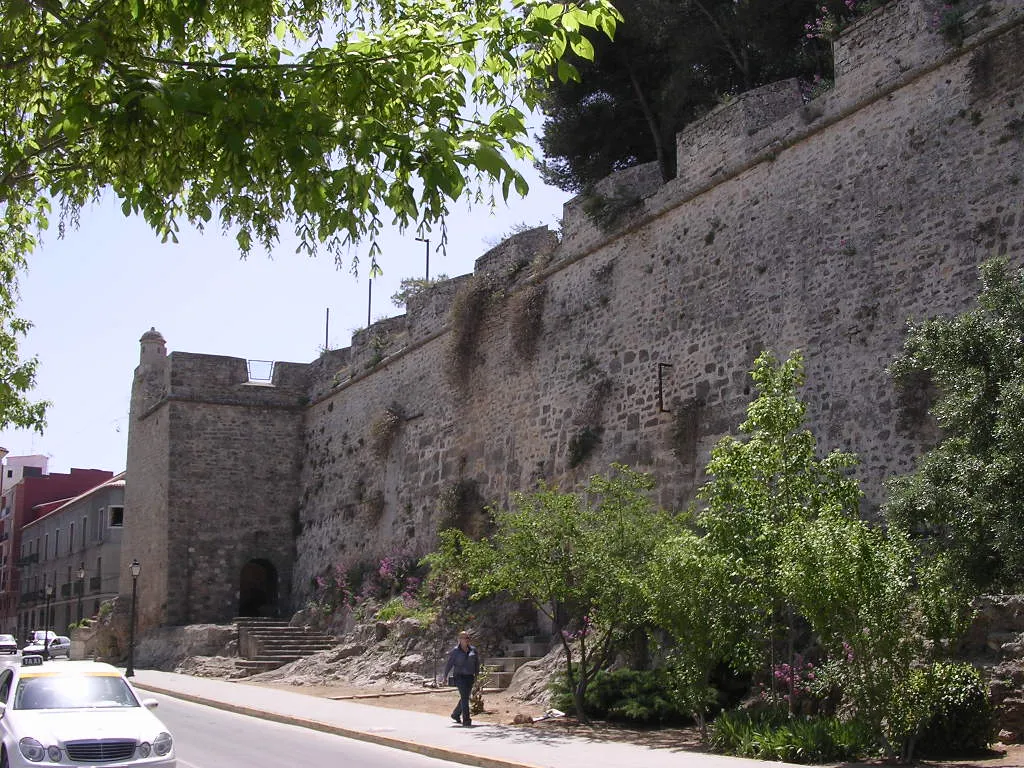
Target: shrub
[[772, 734], [642, 697], [961, 719]]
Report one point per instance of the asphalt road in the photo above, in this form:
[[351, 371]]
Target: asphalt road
[[205, 737]]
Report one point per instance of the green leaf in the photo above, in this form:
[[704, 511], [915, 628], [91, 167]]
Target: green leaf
[[567, 72], [583, 47]]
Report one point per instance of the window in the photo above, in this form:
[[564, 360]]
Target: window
[[71, 539], [116, 517], [56, 543], [46, 547], [85, 527]]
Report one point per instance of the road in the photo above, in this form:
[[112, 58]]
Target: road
[[205, 737]]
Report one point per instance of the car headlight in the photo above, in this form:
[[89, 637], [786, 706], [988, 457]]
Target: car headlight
[[162, 744], [53, 752], [31, 749], [143, 749]]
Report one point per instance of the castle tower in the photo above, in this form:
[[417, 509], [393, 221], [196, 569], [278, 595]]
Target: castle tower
[[212, 486]]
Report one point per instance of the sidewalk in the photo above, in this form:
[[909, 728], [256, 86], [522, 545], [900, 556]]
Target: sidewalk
[[484, 745]]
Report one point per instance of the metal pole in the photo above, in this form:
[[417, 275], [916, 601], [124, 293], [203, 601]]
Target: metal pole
[[46, 625], [327, 327], [426, 242], [81, 589], [369, 301], [130, 671]]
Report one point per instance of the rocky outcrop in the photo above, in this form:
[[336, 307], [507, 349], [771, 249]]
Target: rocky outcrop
[[995, 644]]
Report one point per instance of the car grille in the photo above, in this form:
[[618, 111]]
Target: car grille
[[100, 750]]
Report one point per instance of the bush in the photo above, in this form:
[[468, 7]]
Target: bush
[[961, 720], [772, 734], [640, 697]]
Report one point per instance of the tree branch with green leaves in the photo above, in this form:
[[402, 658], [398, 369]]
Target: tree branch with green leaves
[[384, 113]]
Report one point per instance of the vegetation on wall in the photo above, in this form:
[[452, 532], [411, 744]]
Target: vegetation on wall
[[609, 211], [385, 429], [526, 319], [461, 506], [413, 286], [582, 445], [468, 315]]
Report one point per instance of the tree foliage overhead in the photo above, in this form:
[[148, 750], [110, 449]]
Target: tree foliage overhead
[[194, 111], [383, 112], [966, 498], [670, 63]]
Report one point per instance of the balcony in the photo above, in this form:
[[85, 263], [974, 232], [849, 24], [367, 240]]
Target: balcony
[[94, 583], [28, 559]]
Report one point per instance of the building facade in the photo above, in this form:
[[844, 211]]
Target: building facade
[[72, 552], [32, 495]]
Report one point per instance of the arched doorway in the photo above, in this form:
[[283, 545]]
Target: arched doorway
[[257, 589]]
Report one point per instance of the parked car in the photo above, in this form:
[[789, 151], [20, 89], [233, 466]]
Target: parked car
[[58, 645], [8, 644], [77, 713]]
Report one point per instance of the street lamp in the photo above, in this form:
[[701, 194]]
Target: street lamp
[[48, 589], [81, 589], [426, 241], [135, 567]]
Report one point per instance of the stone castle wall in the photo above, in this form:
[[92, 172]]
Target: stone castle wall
[[216, 460], [821, 226]]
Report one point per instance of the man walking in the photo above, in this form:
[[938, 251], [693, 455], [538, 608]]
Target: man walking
[[464, 664]]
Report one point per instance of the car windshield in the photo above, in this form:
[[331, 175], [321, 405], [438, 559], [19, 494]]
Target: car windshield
[[6, 638], [73, 692]]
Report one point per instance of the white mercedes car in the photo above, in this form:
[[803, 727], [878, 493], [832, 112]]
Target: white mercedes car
[[71, 714]]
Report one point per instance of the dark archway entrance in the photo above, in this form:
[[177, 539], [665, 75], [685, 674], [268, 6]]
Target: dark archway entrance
[[257, 589]]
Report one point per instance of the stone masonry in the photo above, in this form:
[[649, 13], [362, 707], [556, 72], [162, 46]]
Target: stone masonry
[[820, 226]]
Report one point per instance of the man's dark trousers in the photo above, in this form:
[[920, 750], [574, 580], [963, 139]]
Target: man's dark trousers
[[465, 685]]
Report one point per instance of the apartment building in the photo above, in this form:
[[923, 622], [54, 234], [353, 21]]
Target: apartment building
[[27, 493]]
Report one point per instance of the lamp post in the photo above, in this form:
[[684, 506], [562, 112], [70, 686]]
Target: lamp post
[[135, 567], [48, 590], [81, 589], [426, 241]]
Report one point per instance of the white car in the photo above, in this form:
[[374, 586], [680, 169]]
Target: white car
[[75, 713], [56, 646]]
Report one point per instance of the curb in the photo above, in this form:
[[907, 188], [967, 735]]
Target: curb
[[427, 750]]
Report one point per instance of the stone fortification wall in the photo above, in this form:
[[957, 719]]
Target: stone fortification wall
[[821, 226], [213, 467]]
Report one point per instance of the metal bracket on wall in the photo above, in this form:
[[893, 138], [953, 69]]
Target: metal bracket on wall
[[661, 387]]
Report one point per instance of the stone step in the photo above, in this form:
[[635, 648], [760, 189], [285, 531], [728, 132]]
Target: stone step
[[247, 622], [498, 681], [534, 649], [290, 636], [319, 645], [509, 663]]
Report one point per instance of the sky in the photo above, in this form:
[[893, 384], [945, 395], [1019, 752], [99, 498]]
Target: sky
[[93, 293]]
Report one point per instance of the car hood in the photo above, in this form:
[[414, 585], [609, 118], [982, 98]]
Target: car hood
[[63, 725]]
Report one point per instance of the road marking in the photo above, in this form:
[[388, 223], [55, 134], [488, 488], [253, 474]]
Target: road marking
[[186, 763]]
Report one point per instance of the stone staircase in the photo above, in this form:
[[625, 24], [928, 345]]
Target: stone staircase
[[265, 644], [501, 668]]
